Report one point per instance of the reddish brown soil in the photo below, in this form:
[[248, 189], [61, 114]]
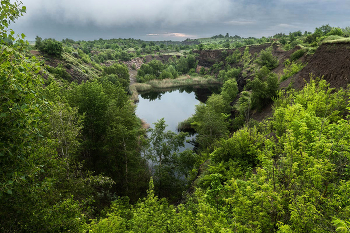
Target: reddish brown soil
[[332, 61]]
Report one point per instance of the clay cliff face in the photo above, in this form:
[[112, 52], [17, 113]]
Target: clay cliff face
[[330, 61]]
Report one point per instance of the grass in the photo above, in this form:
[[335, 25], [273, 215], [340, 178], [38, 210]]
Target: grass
[[169, 83], [336, 41]]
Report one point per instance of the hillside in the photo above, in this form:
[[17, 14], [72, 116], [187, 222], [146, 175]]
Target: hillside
[[330, 61]]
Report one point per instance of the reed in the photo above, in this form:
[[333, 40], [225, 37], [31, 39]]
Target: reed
[[169, 83]]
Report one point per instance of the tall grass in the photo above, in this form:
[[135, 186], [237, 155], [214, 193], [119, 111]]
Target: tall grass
[[336, 41], [169, 83]]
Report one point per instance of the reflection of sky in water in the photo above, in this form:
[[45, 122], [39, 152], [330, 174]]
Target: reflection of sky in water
[[174, 107]]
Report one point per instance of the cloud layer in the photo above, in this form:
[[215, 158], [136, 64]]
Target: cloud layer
[[109, 13], [176, 19]]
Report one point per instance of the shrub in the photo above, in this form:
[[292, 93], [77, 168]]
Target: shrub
[[267, 59], [291, 69], [165, 74], [59, 72], [297, 54], [51, 47], [336, 32], [235, 57]]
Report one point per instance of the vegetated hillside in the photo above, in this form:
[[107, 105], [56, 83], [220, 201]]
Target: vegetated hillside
[[330, 61], [207, 58]]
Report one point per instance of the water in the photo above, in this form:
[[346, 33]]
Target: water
[[174, 105]]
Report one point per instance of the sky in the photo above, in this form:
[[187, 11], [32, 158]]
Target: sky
[[176, 19]]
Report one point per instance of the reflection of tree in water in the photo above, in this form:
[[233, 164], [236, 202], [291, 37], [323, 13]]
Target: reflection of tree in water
[[152, 95], [201, 93]]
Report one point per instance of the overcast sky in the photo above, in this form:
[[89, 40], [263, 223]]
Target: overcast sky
[[176, 19]]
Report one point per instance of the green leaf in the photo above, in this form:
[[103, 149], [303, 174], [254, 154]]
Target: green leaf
[[9, 191]]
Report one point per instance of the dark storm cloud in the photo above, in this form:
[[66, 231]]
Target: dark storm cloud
[[176, 19]]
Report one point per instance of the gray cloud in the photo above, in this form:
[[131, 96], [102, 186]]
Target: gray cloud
[[108, 13], [176, 19]]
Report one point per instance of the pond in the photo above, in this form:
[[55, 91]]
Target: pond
[[174, 105]]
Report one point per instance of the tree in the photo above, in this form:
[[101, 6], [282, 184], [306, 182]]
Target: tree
[[162, 151], [229, 90], [9, 13], [244, 104], [38, 42], [117, 73], [267, 59], [200, 47], [325, 29], [51, 47], [210, 124]]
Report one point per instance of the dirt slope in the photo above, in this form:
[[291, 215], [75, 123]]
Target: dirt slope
[[332, 61]]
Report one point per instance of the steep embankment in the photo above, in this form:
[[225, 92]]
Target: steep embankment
[[207, 58], [330, 61]]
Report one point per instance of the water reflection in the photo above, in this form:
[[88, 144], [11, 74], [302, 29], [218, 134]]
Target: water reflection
[[175, 105], [201, 93]]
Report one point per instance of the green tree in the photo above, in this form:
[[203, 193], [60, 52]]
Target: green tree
[[267, 59], [244, 104], [229, 90], [117, 73], [162, 151], [10, 11], [210, 125], [51, 47]]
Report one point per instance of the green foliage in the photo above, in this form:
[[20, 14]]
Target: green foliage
[[110, 134], [232, 73], [153, 68], [234, 57], [342, 226], [210, 122], [50, 46], [229, 90], [285, 175], [264, 87], [291, 68], [244, 105], [297, 54], [336, 32], [168, 164], [117, 73], [267, 59], [60, 72], [242, 147], [185, 64], [247, 57], [10, 11]]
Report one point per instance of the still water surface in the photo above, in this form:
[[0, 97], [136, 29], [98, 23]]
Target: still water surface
[[174, 106]]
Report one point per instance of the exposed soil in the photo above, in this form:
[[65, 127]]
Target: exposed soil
[[207, 58], [54, 62], [135, 64], [330, 61]]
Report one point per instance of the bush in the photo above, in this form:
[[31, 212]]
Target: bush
[[267, 59], [165, 74], [230, 74], [297, 54], [51, 47], [59, 72], [336, 32], [235, 57], [291, 69]]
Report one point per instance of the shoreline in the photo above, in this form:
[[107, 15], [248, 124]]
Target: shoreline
[[181, 81]]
